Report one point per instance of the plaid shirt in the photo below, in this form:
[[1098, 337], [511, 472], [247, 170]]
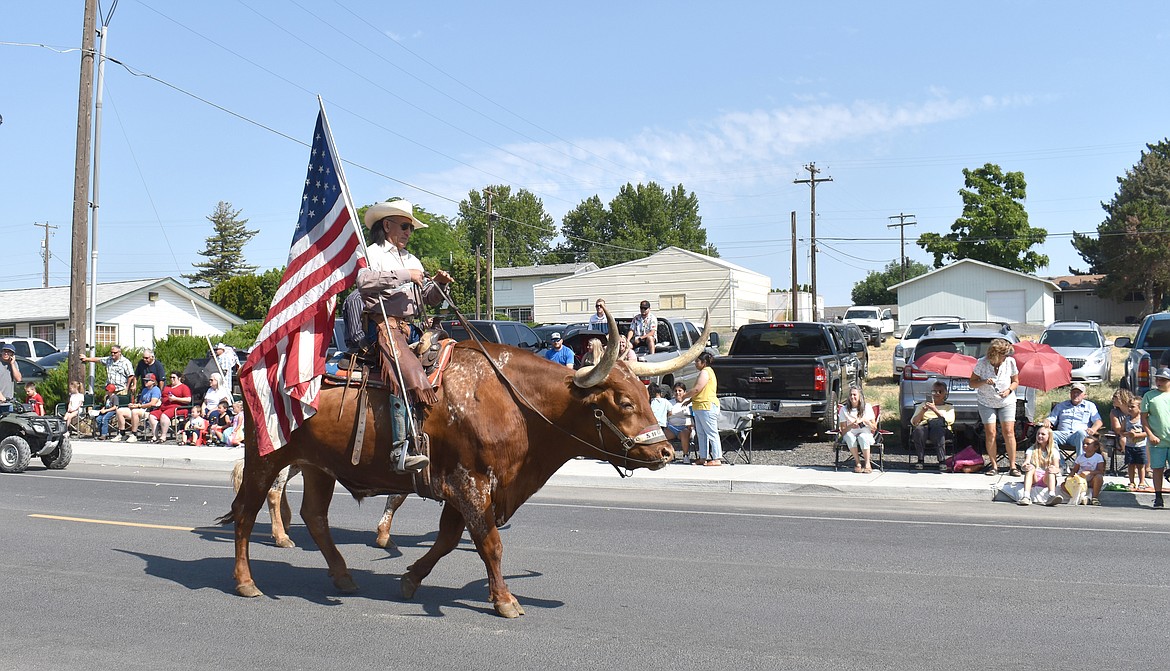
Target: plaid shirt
[[118, 372]]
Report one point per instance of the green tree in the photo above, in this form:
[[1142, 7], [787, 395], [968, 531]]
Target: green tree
[[875, 288], [248, 296], [994, 227], [524, 231], [225, 248], [1131, 244], [642, 219]]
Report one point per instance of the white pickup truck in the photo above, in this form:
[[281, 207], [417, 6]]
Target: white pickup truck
[[876, 323]]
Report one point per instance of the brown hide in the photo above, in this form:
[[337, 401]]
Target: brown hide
[[489, 453]]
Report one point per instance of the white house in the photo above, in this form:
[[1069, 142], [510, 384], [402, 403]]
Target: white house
[[132, 313], [1078, 300], [677, 282], [978, 291], [513, 286]]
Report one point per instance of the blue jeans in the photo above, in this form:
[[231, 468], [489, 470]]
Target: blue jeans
[[103, 422], [707, 434], [1074, 437]]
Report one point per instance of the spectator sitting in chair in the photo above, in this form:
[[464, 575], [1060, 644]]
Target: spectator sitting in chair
[[857, 424], [931, 421], [1075, 419], [643, 328], [76, 400], [108, 411], [149, 399]]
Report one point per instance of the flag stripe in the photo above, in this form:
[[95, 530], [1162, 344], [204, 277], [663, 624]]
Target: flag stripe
[[282, 378]]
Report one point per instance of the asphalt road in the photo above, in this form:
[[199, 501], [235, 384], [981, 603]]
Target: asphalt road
[[108, 568]]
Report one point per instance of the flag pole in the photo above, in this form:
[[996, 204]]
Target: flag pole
[[401, 465]]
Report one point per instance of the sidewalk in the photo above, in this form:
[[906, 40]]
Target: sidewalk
[[739, 479]]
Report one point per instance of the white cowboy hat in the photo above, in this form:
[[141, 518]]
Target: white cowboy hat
[[394, 208]]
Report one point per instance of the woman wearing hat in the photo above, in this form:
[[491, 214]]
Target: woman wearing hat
[[395, 282], [9, 373]]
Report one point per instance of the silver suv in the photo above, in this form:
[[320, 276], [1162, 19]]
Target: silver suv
[[904, 350], [1086, 348], [970, 338]]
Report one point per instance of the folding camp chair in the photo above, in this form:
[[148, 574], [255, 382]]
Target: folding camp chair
[[879, 444], [735, 428]]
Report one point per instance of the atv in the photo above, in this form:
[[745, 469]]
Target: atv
[[25, 434]]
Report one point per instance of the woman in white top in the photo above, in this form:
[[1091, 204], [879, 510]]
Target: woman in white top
[[994, 380], [857, 424], [215, 393]]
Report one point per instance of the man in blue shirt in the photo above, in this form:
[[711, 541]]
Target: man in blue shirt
[[1074, 419], [559, 353], [148, 400]]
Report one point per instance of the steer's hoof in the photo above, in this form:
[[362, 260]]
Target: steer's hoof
[[249, 590], [409, 585], [345, 584], [285, 542], [510, 609]]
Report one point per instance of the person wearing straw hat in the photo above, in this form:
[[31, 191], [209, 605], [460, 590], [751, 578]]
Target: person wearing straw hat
[[395, 291]]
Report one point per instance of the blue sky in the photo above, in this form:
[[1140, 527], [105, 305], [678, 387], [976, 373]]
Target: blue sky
[[570, 100]]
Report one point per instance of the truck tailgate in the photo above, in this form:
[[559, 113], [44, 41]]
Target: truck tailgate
[[765, 378]]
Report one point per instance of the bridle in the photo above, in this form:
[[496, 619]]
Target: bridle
[[651, 434]]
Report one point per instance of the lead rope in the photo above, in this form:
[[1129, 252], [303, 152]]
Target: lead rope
[[626, 441]]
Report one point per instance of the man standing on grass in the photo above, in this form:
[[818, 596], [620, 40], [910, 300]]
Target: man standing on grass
[[1156, 419]]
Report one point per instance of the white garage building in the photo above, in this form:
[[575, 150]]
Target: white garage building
[[978, 291], [677, 282]]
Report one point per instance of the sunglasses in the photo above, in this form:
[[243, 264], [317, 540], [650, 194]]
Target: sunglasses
[[408, 227]]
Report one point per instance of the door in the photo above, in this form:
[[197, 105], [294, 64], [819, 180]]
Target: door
[[143, 336], [1006, 306]]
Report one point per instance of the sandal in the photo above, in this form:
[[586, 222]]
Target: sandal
[[1015, 472], [992, 470], [867, 469], [857, 469]]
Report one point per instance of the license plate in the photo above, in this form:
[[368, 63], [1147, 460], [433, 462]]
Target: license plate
[[761, 405], [960, 385]]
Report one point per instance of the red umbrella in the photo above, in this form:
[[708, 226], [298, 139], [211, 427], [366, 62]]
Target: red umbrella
[[1045, 371], [1026, 349], [950, 364]]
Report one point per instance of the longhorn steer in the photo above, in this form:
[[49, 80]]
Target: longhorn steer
[[499, 431]]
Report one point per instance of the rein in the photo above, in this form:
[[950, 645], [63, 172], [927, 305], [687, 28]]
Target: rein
[[648, 435]]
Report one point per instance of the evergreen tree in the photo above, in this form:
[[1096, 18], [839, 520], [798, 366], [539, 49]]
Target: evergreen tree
[[225, 248], [1130, 245]]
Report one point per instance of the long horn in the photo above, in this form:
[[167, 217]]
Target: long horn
[[591, 376], [643, 369]]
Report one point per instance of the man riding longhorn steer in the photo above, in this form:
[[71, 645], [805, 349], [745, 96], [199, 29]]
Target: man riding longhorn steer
[[395, 283]]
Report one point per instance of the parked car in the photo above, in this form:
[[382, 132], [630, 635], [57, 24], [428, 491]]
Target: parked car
[[972, 339], [31, 348], [1085, 346], [852, 336], [545, 331], [51, 361], [515, 334], [877, 323], [673, 336], [904, 350], [30, 371], [1151, 348]]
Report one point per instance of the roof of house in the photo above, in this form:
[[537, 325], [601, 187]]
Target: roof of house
[[52, 303], [701, 257], [1077, 282], [558, 269], [977, 263]]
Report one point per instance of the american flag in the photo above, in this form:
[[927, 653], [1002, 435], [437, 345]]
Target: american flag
[[282, 376]]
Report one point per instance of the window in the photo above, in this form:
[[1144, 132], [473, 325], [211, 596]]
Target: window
[[1058, 299], [46, 332], [503, 285], [179, 331], [575, 305], [8, 331], [672, 302], [1135, 297], [519, 314], [107, 334]]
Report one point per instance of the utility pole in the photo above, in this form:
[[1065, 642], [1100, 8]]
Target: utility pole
[[792, 303], [45, 246], [492, 217], [812, 181], [81, 195], [477, 294], [901, 225]]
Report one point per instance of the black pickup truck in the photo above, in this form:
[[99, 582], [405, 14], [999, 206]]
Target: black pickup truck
[[788, 370]]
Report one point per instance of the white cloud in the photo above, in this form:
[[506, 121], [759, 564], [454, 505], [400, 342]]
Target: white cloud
[[741, 146]]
